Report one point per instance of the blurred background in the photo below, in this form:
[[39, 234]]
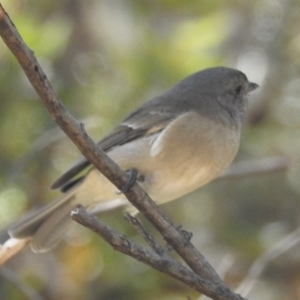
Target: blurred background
[[103, 58]]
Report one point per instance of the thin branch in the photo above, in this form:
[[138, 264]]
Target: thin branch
[[41, 143], [163, 263], [283, 245], [146, 235], [11, 247], [257, 167], [29, 292]]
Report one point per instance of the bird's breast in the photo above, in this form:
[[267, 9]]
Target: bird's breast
[[188, 154], [191, 151]]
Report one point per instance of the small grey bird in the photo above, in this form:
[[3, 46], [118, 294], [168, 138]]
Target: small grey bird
[[177, 142]]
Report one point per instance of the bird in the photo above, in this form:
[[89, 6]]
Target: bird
[[177, 142]]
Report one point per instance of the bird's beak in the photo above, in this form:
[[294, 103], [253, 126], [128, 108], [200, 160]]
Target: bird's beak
[[252, 86]]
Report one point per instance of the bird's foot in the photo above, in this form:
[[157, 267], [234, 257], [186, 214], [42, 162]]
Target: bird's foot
[[132, 177]]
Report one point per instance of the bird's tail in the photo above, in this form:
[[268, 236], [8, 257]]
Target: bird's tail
[[47, 226]]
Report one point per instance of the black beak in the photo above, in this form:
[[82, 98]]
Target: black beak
[[252, 86]]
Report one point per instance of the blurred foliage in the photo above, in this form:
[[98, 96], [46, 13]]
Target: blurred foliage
[[105, 57]]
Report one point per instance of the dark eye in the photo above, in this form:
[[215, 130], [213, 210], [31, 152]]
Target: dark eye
[[238, 90]]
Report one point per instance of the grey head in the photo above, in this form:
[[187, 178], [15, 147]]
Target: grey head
[[218, 92]]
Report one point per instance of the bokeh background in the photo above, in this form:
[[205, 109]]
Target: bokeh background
[[104, 57]]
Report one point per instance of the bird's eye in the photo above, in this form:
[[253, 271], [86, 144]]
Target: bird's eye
[[238, 90]]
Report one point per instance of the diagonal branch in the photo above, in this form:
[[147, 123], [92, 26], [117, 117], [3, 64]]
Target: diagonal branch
[[162, 263], [146, 235]]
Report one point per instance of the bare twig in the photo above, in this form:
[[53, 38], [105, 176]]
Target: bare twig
[[29, 293], [147, 236], [281, 247], [11, 248], [110, 169], [163, 263], [257, 167]]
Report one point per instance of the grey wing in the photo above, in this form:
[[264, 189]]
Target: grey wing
[[139, 124]]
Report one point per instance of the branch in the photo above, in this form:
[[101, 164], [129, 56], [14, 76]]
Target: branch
[[257, 167], [162, 263], [146, 235], [278, 249], [28, 291], [75, 131]]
